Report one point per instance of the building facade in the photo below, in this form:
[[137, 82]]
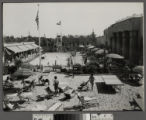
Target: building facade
[[126, 38]]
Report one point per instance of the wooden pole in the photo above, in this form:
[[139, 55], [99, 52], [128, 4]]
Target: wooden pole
[[40, 54]]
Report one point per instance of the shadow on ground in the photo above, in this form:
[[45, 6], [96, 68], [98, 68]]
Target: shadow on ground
[[105, 89]]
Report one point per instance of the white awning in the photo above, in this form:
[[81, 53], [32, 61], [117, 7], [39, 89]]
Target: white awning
[[30, 47], [20, 47], [23, 48], [35, 46], [15, 49]]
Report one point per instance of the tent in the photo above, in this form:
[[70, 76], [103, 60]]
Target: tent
[[81, 46]]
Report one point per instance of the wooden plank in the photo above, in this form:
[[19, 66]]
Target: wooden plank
[[55, 106]]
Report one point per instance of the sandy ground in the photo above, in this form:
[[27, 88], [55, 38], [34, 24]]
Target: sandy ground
[[107, 102]]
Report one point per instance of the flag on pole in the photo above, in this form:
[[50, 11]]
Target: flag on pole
[[59, 23], [37, 19]]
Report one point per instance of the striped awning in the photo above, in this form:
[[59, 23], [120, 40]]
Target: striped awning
[[20, 47], [30, 47], [35, 46], [23, 47], [14, 49]]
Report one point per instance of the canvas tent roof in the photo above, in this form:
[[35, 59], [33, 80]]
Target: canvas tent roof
[[30, 47], [35, 46], [20, 47], [15, 49]]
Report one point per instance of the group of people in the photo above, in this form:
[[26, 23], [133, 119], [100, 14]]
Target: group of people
[[8, 82], [56, 83]]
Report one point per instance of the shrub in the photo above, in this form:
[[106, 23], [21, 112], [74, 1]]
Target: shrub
[[18, 63]]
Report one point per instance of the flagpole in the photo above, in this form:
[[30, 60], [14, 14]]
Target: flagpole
[[61, 35], [39, 41]]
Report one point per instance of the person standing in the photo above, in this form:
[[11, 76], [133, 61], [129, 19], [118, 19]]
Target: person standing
[[91, 79], [56, 85], [85, 61], [40, 79]]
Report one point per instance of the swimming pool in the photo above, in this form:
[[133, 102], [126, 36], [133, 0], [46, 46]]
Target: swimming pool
[[57, 58]]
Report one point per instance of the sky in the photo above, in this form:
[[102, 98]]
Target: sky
[[76, 18]]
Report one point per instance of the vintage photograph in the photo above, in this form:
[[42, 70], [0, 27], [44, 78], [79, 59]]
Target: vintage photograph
[[73, 56], [73, 117]]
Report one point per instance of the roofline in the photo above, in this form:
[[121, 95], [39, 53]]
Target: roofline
[[127, 18], [18, 44]]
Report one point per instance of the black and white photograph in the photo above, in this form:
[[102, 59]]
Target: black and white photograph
[[73, 116], [73, 56]]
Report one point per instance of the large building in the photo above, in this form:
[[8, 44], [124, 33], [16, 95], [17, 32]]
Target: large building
[[125, 37]]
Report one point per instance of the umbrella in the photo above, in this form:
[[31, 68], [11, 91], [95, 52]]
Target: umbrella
[[101, 51], [95, 49], [23, 72], [81, 46], [90, 47], [116, 56], [138, 69]]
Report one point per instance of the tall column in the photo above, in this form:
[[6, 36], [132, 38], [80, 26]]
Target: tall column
[[115, 43], [110, 43], [133, 52], [140, 49], [118, 43], [126, 40]]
